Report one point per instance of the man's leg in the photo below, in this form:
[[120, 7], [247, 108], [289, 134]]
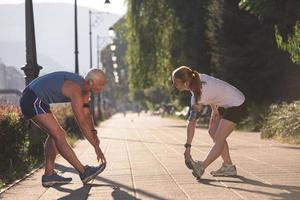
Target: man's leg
[[212, 129], [49, 123], [223, 131], [50, 155]]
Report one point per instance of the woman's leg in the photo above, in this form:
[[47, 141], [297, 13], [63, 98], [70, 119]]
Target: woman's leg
[[212, 129], [224, 129]]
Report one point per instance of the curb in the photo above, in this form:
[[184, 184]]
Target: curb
[[21, 179]]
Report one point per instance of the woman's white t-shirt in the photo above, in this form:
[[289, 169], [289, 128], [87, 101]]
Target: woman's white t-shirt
[[218, 92]]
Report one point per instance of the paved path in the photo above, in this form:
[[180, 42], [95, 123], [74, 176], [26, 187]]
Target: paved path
[[145, 161]]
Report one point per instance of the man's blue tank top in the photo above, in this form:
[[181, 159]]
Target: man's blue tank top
[[48, 87]]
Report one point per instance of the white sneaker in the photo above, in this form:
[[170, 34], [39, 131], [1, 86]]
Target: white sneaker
[[225, 170], [198, 168]]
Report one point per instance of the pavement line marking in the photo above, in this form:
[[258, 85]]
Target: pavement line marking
[[248, 172], [92, 181], [235, 192], [251, 158], [130, 165], [166, 169], [259, 161]]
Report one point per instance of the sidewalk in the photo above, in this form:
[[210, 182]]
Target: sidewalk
[[145, 161]]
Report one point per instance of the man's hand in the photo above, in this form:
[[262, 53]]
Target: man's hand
[[96, 139], [100, 155]]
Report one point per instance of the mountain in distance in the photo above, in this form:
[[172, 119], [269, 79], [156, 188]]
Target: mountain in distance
[[54, 31]]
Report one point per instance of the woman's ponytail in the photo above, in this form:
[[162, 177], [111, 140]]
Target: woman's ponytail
[[196, 86]]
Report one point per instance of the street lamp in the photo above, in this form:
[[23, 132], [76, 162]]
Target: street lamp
[[112, 47], [31, 68], [112, 33], [93, 24], [114, 58]]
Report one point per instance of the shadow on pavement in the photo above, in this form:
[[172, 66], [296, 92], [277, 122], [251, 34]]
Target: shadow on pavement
[[145, 193], [288, 191], [117, 194], [81, 193]]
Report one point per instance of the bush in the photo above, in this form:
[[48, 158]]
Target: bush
[[14, 143], [282, 122], [255, 117]]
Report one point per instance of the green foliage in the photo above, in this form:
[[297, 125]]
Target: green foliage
[[282, 122], [231, 40], [151, 25], [292, 45], [285, 21]]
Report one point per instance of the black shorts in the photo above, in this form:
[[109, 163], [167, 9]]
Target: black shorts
[[31, 105], [234, 114]]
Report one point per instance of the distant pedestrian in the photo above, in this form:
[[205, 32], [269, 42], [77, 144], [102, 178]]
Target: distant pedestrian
[[228, 108], [59, 87]]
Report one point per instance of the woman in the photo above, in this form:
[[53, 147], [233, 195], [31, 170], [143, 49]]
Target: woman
[[227, 105]]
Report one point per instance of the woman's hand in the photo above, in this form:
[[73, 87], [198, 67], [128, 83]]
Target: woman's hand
[[215, 115], [197, 107], [187, 153]]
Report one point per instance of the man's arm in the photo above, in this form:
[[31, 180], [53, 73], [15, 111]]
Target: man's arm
[[74, 93], [82, 115]]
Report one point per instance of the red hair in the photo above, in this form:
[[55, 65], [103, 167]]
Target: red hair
[[185, 74]]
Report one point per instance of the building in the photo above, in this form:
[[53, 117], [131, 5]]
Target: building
[[10, 79]]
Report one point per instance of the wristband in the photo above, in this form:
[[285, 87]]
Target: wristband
[[94, 131], [187, 145]]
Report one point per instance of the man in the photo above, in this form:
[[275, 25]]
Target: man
[[59, 87]]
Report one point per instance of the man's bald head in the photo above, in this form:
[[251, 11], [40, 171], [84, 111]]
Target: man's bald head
[[95, 75]]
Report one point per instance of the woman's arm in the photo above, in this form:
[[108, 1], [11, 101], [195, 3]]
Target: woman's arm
[[193, 118]]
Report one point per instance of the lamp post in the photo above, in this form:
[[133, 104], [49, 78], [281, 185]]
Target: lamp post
[[31, 68], [76, 38], [91, 63]]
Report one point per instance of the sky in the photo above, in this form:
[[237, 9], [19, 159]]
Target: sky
[[116, 6]]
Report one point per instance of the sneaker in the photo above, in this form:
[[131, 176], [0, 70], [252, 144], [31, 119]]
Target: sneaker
[[198, 168], [91, 172], [50, 180], [225, 170]]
